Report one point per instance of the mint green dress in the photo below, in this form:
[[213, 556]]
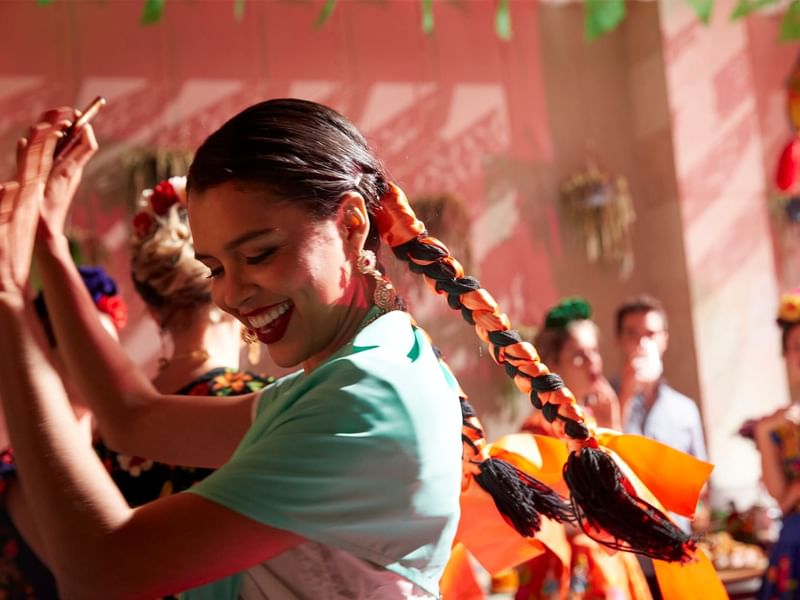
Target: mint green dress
[[363, 455]]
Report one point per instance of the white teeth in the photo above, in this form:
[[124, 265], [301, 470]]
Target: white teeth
[[261, 321]]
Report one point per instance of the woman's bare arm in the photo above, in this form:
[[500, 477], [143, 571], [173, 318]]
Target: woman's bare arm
[[132, 415], [97, 546]]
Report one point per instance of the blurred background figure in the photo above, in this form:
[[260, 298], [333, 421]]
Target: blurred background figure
[[569, 345], [778, 441], [200, 344], [650, 406]]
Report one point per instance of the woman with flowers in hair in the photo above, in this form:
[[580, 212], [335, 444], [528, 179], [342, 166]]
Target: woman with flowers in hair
[[341, 479], [777, 438], [204, 342]]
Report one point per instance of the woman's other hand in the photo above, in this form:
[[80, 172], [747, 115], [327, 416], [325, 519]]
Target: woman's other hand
[[19, 205]]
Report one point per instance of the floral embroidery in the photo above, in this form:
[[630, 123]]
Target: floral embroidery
[[134, 464]]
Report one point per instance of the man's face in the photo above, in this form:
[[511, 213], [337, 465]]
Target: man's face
[[638, 326]]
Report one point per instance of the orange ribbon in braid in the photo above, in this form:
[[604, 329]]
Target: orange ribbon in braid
[[602, 497]]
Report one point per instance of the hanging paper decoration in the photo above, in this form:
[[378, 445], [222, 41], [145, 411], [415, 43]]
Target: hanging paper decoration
[[599, 208], [502, 20], [703, 9], [152, 11], [325, 14], [427, 16], [238, 10], [790, 25], [600, 16]]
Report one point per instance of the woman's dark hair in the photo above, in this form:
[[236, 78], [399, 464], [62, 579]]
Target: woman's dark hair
[[786, 328], [640, 304], [300, 151]]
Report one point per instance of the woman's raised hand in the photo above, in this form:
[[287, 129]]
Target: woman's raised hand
[[19, 206], [66, 172]]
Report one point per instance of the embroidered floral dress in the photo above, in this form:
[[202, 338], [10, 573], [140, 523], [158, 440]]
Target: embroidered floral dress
[[783, 574], [24, 577]]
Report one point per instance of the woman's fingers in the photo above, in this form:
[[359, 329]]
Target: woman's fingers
[[36, 158], [8, 197], [62, 113], [83, 149]]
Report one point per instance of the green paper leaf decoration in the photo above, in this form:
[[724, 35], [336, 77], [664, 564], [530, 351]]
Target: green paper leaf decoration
[[325, 14], [44, 2], [238, 10], [602, 16], [703, 9], [152, 11], [790, 25], [745, 7], [427, 16], [502, 20]]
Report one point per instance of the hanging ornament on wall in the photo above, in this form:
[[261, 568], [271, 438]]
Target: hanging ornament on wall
[[599, 209], [786, 187]]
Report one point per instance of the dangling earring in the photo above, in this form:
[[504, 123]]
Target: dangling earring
[[385, 296], [250, 338]]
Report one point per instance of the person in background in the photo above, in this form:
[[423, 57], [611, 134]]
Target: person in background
[[650, 406], [569, 342], [777, 438], [204, 343]]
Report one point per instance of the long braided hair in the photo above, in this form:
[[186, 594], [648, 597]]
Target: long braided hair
[[301, 151], [602, 496]]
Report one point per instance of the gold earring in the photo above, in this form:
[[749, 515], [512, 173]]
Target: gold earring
[[250, 338], [385, 296]]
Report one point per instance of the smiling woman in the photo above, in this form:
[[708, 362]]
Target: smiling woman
[[341, 479]]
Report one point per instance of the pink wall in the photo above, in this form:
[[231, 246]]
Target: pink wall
[[441, 110]]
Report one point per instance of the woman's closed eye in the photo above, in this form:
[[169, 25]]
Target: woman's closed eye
[[213, 272], [253, 260]]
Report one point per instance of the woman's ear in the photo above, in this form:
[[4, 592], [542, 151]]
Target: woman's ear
[[353, 219]]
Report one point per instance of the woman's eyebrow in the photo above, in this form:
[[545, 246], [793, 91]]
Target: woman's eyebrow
[[233, 244]]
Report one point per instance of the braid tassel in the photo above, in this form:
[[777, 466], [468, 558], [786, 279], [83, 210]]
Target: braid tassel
[[603, 499], [520, 498]]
